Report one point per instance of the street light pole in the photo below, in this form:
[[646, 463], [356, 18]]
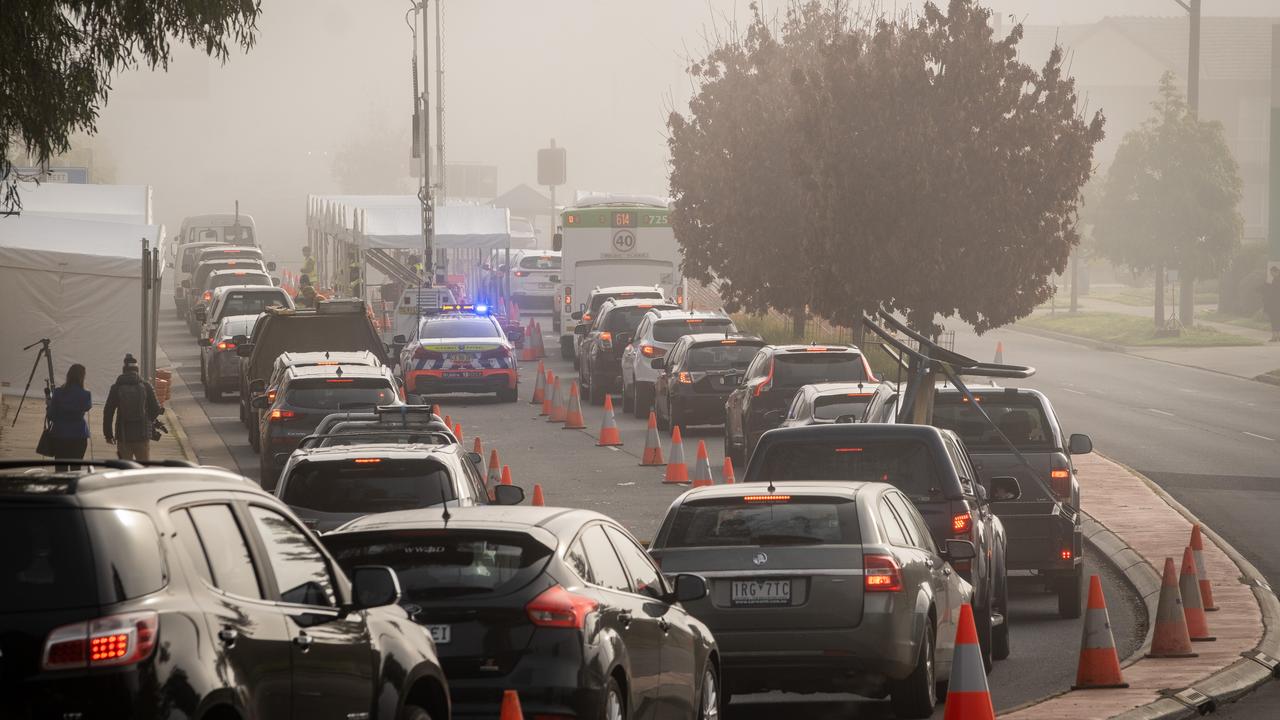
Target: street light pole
[[424, 139], [1187, 287]]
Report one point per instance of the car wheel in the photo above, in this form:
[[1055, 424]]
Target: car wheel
[[597, 393], [1070, 594], [1000, 634], [211, 391], [413, 712], [628, 398], [507, 395], [664, 423], [615, 705], [566, 351], [915, 695], [709, 705], [982, 622], [643, 401], [268, 476], [255, 441]]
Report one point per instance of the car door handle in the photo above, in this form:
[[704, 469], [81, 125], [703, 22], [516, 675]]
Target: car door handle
[[624, 618], [303, 641], [228, 636], [663, 625]]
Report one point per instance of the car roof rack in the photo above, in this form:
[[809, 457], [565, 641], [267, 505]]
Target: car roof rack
[[313, 441], [112, 464]]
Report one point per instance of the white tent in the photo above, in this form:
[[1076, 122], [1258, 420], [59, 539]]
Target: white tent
[[394, 222], [77, 282], [121, 203]]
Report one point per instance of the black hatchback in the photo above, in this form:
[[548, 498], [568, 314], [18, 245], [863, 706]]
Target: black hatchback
[[561, 605], [189, 592], [697, 375]]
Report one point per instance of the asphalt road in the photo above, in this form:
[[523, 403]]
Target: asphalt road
[[573, 471]]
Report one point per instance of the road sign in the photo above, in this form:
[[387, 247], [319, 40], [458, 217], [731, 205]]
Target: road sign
[[551, 165], [78, 175]]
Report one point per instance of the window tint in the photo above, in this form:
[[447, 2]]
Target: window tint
[[190, 542], [339, 393], [913, 521], [225, 546], [719, 356], [127, 550], [348, 486], [624, 319], [906, 464], [576, 557], [1021, 418], [606, 569], [731, 521], [889, 525], [645, 578], [804, 368], [238, 278], [540, 262], [302, 575], [833, 407], [47, 562], [671, 330]]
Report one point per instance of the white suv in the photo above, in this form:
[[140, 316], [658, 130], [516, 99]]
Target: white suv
[[533, 277], [657, 333]]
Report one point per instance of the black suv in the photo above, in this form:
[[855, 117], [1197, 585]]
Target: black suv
[[179, 591], [932, 468], [603, 341], [760, 401], [696, 377]]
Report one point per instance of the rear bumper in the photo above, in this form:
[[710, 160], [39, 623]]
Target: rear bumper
[[1037, 539], [109, 697], [560, 683], [697, 409], [428, 382]]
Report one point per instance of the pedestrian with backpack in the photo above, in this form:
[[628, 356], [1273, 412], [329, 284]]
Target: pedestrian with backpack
[[129, 417]]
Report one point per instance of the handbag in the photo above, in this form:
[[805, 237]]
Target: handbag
[[45, 445]]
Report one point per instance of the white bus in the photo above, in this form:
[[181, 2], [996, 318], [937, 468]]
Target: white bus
[[608, 240]]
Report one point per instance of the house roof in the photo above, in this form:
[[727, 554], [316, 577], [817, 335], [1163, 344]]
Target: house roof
[[523, 198]]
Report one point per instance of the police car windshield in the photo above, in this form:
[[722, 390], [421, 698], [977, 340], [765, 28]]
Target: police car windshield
[[458, 327]]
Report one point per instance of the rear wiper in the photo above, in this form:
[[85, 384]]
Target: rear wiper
[[785, 540]]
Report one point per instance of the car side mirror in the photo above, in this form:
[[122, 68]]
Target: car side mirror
[[200, 314], [581, 329], [658, 363], [475, 458], [244, 350], [399, 340], [373, 586], [508, 494], [259, 402], [1005, 488], [257, 386], [576, 315], [204, 341], [275, 282], [557, 241], [271, 267], [954, 550], [1079, 444], [689, 587]]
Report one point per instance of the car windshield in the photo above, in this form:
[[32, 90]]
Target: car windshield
[[804, 368], [905, 464], [244, 303], [540, 262], [339, 393], [833, 407], [458, 328], [779, 520], [721, 356], [1020, 417], [438, 564], [368, 485], [669, 331]]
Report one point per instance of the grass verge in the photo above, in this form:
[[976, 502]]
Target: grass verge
[[1142, 297], [1255, 322], [1132, 331]]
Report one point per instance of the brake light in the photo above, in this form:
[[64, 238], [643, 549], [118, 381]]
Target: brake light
[[283, 414], [848, 450], [651, 351], [559, 608], [606, 338], [767, 385], [1065, 554], [521, 273], [239, 273], [271, 396], [366, 461], [224, 345], [107, 641], [773, 498], [728, 342], [339, 380], [694, 321], [961, 523], [1060, 482], [881, 574], [685, 378], [568, 298]]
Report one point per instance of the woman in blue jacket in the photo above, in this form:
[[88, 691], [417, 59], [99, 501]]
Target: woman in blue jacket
[[66, 415]]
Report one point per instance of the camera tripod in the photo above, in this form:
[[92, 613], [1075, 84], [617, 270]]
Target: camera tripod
[[47, 354]]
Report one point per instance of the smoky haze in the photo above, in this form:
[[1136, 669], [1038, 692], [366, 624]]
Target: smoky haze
[[331, 79]]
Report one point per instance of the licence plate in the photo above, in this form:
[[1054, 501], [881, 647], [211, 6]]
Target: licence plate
[[460, 357], [463, 374], [761, 592], [441, 634]]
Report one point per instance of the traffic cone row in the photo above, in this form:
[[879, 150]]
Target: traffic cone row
[[1197, 551], [1171, 639], [573, 413], [609, 435], [1099, 665], [539, 385], [1192, 605], [539, 347]]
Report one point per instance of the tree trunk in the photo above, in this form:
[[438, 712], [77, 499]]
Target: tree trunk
[[1075, 280], [1159, 291], [798, 317], [1187, 300]]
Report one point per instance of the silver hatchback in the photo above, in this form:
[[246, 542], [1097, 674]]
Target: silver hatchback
[[822, 587]]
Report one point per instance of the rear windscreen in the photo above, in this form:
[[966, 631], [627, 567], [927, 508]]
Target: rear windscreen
[[669, 331], [236, 279], [339, 393], [720, 357], [625, 319], [369, 485], [779, 520], [833, 407], [905, 464], [597, 301], [540, 263], [433, 565], [63, 557], [805, 368], [1020, 417], [458, 328], [311, 333], [231, 328], [252, 303]]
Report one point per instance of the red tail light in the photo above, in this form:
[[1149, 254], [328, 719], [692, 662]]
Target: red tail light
[[568, 298], [1060, 482], [559, 608], [283, 414], [226, 345], [881, 574], [606, 338], [521, 273], [650, 351], [767, 385], [962, 523], [271, 396], [106, 641]]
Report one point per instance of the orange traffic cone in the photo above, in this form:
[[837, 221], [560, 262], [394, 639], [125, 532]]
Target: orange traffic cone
[[538, 343], [1170, 639], [477, 447], [728, 471], [1099, 666], [968, 696], [511, 706], [609, 435], [539, 385], [573, 413], [558, 410], [677, 471], [546, 394], [1206, 588], [494, 475], [538, 499], [435, 410], [448, 421], [506, 475], [1192, 607], [702, 467], [999, 352], [652, 444], [457, 432]]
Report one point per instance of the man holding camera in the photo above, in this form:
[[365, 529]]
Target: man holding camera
[[134, 427]]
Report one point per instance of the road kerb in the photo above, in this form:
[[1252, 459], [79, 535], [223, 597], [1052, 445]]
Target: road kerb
[[180, 434]]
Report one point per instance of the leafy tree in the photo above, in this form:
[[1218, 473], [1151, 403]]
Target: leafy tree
[[1171, 199], [57, 58], [913, 165]]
